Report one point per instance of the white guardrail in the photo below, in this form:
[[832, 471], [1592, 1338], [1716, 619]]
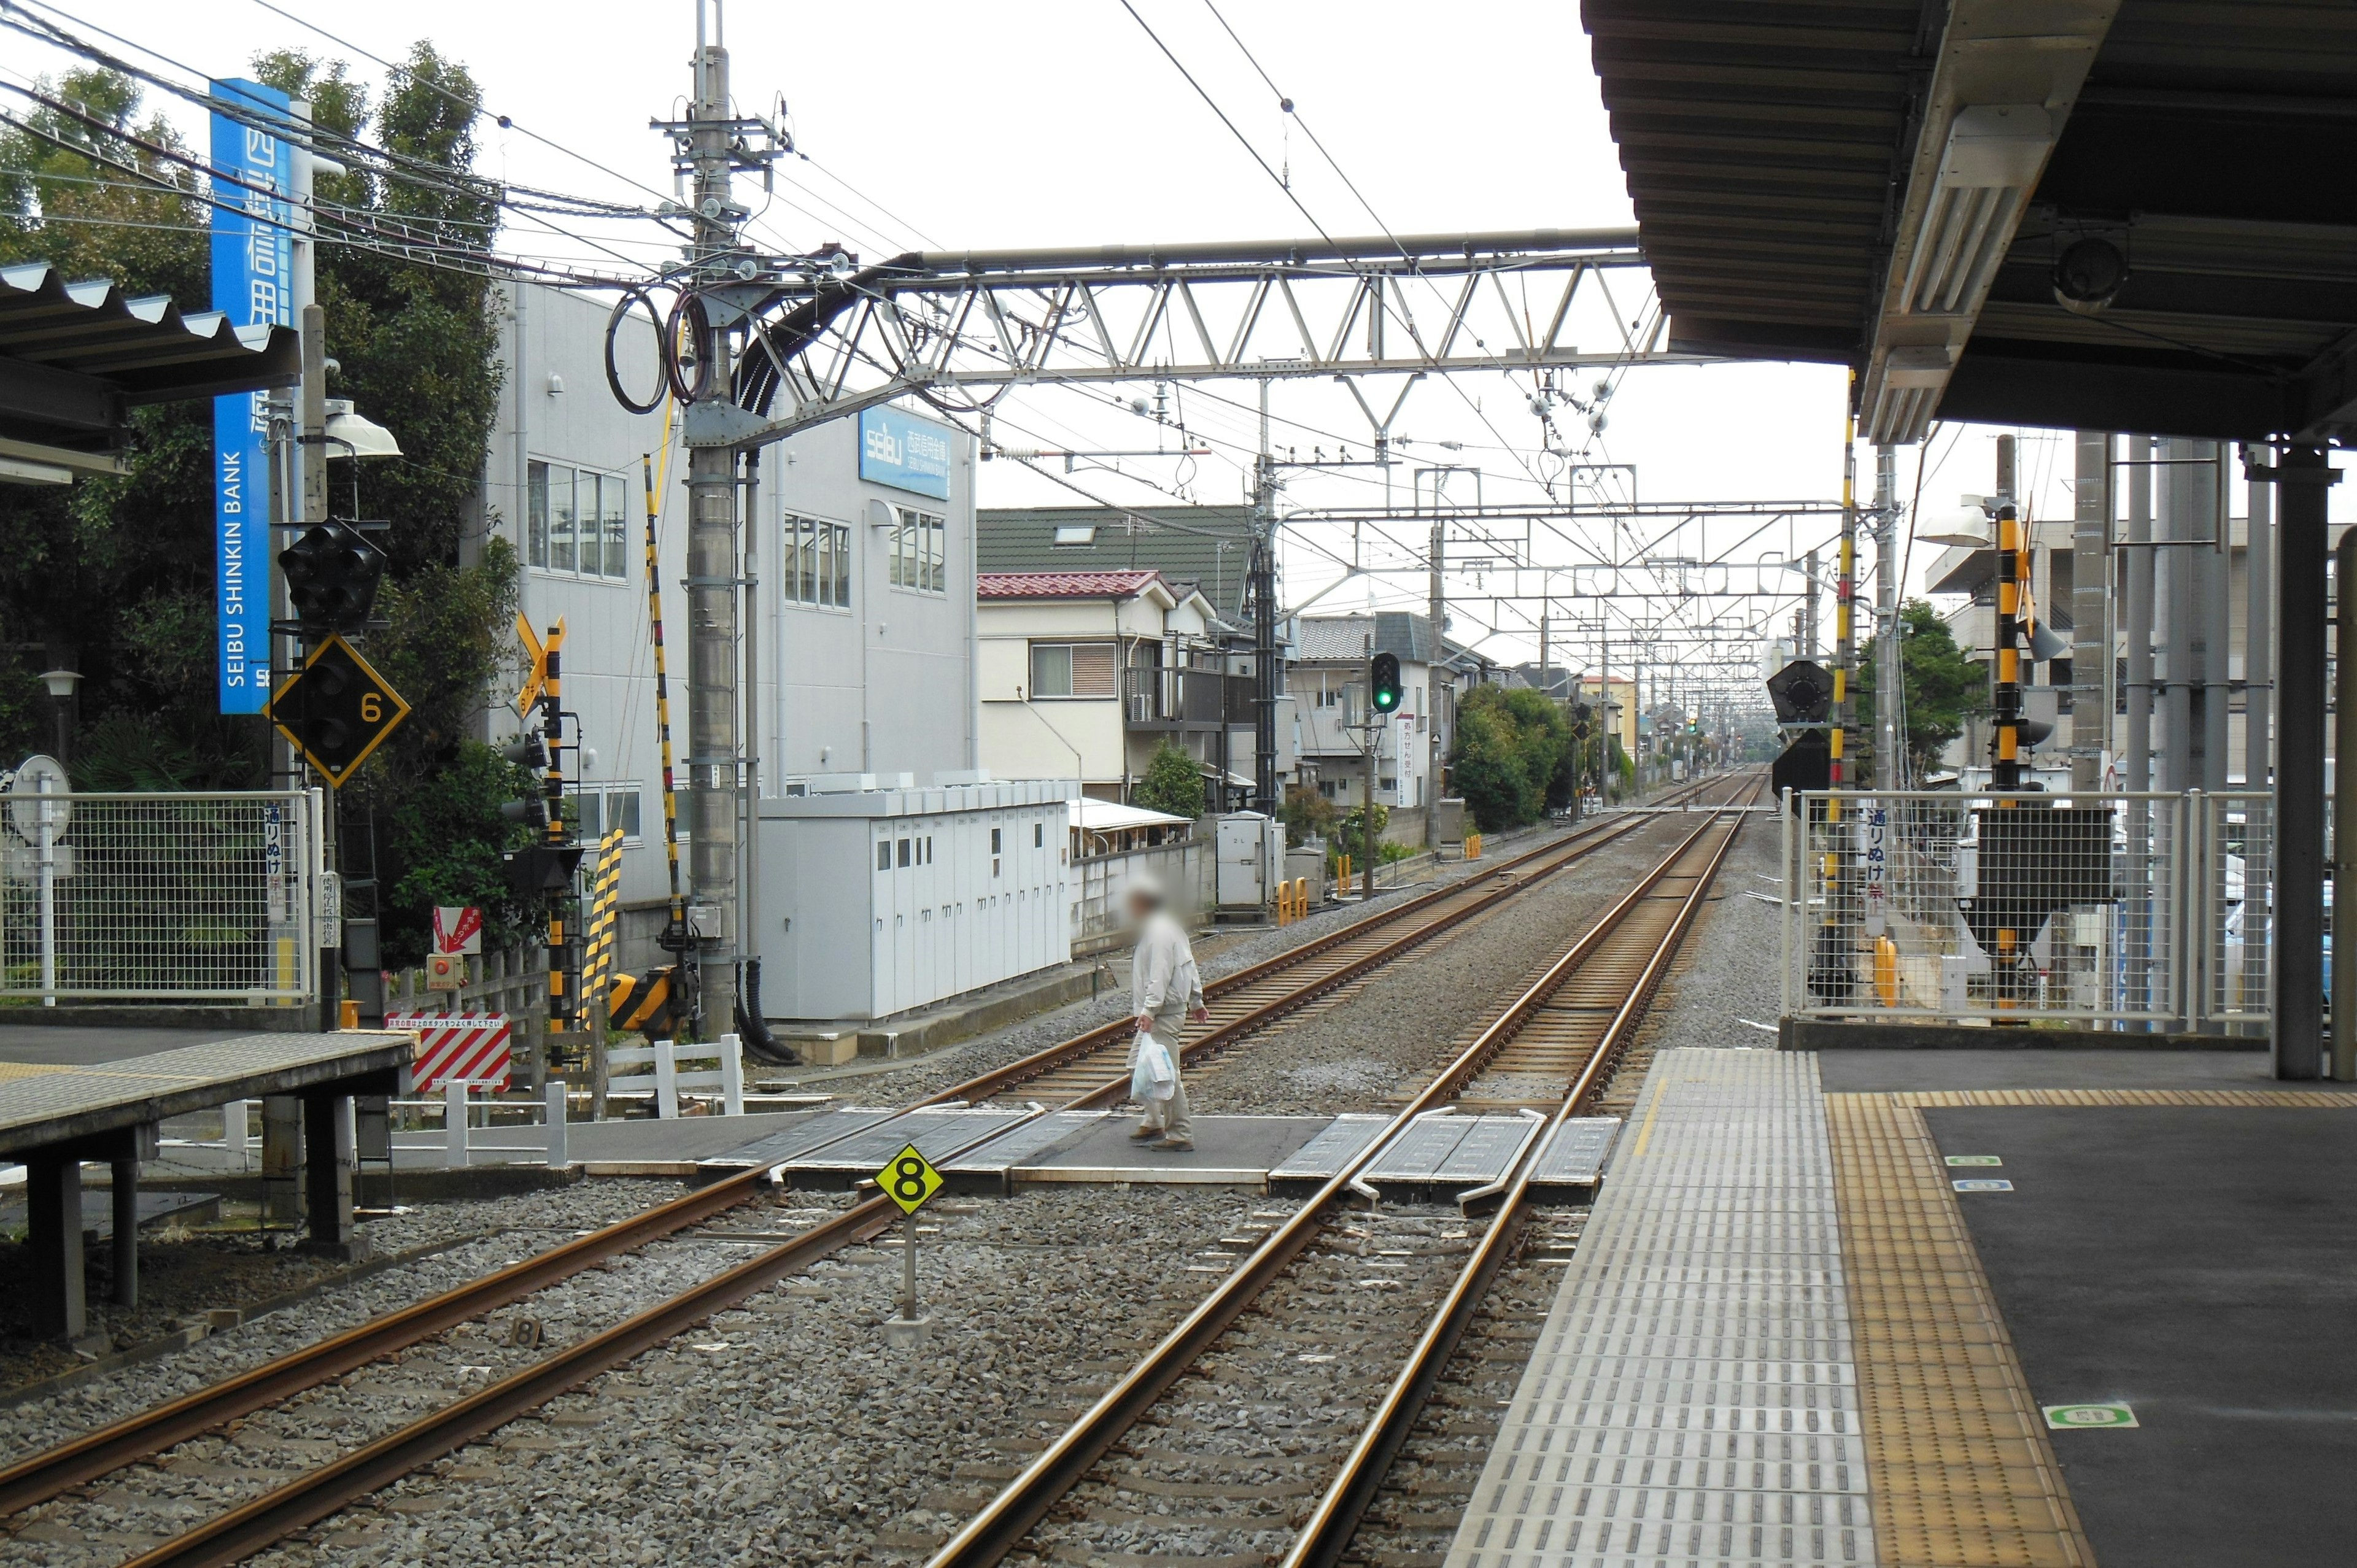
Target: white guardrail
[[2125, 908]]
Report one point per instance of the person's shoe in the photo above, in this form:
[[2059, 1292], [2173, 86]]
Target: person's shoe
[[1142, 1134], [1175, 1145]]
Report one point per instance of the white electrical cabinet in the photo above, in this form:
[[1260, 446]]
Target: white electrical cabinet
[[876, 901], [1250, 846]]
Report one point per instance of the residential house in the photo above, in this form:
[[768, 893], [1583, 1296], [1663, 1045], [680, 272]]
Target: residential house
[[1085, 673], [1205, 549], [1328, 680]]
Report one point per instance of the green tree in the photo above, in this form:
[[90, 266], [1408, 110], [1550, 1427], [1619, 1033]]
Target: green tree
[[1351, 838], [1172, 783], [1941, 687], [115, 574], [1306, 814], [1514, 756], [1543, 738]]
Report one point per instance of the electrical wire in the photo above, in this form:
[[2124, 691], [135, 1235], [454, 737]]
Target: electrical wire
[[527, 203]]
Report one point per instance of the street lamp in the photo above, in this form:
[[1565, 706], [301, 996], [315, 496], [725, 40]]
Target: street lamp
[[61, 684]]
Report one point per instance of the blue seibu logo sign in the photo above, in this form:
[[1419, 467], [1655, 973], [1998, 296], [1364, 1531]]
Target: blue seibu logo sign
[[905, 453], [253, 285]]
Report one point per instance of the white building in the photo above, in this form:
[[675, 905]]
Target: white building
[[1085, 673], [1327, 679], [862, 620]]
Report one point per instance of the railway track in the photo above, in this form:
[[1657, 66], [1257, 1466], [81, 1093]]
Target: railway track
[[1092, 1068], [1081, 1072], [1215, 1441]]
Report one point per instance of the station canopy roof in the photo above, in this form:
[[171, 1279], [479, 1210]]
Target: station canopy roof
[[1914, 187], [75, 358]]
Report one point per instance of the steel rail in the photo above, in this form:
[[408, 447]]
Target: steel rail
[[40, 1477], [1326, 1534], [94, 1454], [1002, 1524], [999, 1080], [229, 1537], [234, 1536]]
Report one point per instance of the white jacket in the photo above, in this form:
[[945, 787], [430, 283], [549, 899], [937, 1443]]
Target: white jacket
[[1163, 984]]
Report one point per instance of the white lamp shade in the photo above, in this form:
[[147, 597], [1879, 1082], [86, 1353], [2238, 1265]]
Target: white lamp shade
[[352, 434]]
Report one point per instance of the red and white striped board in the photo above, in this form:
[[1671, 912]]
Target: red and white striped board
[[472, 1047]]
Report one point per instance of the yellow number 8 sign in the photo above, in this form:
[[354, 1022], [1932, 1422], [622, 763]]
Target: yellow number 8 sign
[[909, 1179]]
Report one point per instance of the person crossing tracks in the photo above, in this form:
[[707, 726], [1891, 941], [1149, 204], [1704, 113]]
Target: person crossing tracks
[[1166, 994]]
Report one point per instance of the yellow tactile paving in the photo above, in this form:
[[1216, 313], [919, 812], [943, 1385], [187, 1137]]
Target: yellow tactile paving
[[26, 1069], [1961, 1474], [2301, 1099]]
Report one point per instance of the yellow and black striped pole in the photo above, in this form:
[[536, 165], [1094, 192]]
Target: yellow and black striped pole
[[604, 927], [675, 936], [562, 1010]]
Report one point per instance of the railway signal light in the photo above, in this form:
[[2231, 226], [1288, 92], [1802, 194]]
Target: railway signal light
[[332, 575], [1803, 691], [336, 710], [1383, 683], [542, 868]]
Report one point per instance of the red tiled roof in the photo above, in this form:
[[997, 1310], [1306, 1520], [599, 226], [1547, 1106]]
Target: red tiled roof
[[1062, 584]]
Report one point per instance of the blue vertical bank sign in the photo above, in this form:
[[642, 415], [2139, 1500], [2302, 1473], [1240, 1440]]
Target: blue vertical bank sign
[[254, 264], [904, 453]]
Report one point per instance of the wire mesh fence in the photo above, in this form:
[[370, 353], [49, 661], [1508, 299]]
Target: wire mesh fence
[[161, 896], [2238, 844], [2145, 907]]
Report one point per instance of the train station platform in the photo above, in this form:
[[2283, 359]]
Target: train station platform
[[1946, 1307], [56, 1114]]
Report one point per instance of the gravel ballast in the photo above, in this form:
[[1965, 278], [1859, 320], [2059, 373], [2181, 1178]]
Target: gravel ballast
[[789, 1432], [1388, 1033]]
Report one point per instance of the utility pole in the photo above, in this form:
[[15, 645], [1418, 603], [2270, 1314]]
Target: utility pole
[[722, 284], [1439, 612], [1889, 680], [1262, 587], [1844, 625]]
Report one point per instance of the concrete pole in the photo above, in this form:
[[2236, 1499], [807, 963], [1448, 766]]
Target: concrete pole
[[712, 643], [1889, 768], [2258, 642], [1844, 609], [2137, 745], [2091, 603], [2299, 1003], [2180, 737], [1437, 608], [2213, 580], [1809, 607], [2258, 667], [1264, 597]]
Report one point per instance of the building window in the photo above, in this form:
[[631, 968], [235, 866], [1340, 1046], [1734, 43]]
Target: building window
[[600, 809], [1069, 534], [817, 568], [883, 854], [1073, 670], [919, 540], [576, 521]]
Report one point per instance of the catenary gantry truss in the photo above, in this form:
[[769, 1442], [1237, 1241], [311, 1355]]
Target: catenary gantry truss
[[958, 325]]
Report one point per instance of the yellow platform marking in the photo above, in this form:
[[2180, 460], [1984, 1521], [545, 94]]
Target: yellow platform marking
[[1959, 1468], [27, 1069], [2305, 1099]]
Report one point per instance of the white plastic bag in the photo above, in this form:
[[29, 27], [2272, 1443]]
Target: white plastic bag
[[1152, 1079]]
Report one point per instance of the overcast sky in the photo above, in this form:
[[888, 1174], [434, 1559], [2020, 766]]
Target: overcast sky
[[1058, 121]]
